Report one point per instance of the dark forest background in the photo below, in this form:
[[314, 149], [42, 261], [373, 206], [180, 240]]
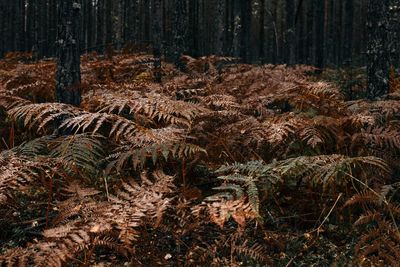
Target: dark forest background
[[314, 32]]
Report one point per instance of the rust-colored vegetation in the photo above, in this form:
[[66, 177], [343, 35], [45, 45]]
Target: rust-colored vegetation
[[225, 165]]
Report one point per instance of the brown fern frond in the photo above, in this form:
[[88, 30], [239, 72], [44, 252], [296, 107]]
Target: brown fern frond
[[323, 132], [221, 102], [9, 101], [17, 173], [378, 138], [153, 106], [112, 125], [384, 110], [278, 130], [366, 197], [139, 155], [255, 251], [84, 224], [220, 212], [40, 115], [367, 218]]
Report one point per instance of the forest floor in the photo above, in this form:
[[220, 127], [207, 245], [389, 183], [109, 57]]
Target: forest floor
[[224, 165]]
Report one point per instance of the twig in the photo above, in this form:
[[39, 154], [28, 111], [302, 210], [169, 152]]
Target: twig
[[329, 213]]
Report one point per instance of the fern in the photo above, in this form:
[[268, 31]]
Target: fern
[[40, 115], [379, 242], [84, 224], [34, 148], [330, 172], [82, 150], [139, 155], [153, 106]]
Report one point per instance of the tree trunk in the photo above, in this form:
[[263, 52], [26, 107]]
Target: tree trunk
[[157, 39], [237, 28], [52, 31], [377, 52], [220, 21], [2, 29], [68, 75], [348, 32], [246, 31], [394, 26], [290, 32], [100, 26], [109, 24], [319, 27], [179, 33]]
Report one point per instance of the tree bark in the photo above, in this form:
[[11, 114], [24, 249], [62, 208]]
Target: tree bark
[[290, 32], [220, 21], [319, 32], [68, 75], [109, 23], [100, 26], [157, 39], [246, 31], [180, 27], [378, 53], [237, 28], [348, 32]]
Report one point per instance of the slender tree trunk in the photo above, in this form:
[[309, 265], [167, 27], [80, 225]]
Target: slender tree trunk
[[35, 20], [262, 45], [377, 52], [90, 26], [394, 26], [237, 28], [319, 27], [84, 25], [2, 29], [19, 25], [348, 31], [52, 30], [157, 39], [193, 28], [290, 32], [245, 32], [180, 27], [302, 36], [100, 26], [220, 21], [109, 24], [120, 21], [68, 75]]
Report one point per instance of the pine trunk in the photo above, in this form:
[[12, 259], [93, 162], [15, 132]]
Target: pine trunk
[[377, 52], [157, 39], [179, 33], [68, 74]]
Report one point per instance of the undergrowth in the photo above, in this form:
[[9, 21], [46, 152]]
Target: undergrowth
[[224, 165]]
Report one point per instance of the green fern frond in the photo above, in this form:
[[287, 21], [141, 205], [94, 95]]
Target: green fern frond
[[34, 148], [327, 171], [237, 189], [330, 170], [82, 150]]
